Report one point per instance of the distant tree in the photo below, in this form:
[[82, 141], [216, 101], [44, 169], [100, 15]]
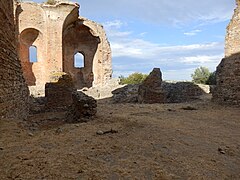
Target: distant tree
[[51, 2], [201, 75], [212, 79], [134, 78]]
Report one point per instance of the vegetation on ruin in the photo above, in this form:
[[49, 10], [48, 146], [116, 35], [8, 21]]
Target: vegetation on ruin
[[212, 79], [51, 2], [134, 78], [202, 75]]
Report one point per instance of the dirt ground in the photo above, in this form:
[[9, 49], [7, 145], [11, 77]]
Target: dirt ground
[[158, 141]]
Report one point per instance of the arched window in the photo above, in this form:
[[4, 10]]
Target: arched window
[[33, 54], [78, 60]]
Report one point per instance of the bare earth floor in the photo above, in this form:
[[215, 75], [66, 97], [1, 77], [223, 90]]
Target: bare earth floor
[[146, 142]]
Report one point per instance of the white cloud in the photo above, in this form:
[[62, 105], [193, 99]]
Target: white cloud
[[201, 59], [193, 32], [176, 61], [168, 12], [178, 75], [116, 24]]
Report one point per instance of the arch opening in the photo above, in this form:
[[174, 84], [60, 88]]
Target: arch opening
[[79, 60], [33, 54]]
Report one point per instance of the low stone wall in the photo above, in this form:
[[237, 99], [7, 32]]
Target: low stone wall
[[182, 91], [59, 92], [126, 94], [176, 92], [13, 90], [82, 108]]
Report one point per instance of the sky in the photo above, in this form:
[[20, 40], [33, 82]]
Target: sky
[[176, 36]]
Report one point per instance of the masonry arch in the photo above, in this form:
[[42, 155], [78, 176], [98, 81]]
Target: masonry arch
[[29, 39], [78, 38]]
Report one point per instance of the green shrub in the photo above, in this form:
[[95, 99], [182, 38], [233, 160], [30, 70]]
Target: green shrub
[[51, 2], [135, 78], [201, 75], [212, 79]]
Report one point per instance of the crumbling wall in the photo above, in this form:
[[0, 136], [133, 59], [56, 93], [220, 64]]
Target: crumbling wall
[[58, 33], [13, 90], [102, 64], [83, 107], [150, 91], [227, 90], [59, 92], [232, 39], [78, 39]]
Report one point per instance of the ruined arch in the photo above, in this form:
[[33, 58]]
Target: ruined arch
[[78, 38], [28, 37]]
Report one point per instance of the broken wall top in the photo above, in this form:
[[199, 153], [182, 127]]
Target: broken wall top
[[232, 40]]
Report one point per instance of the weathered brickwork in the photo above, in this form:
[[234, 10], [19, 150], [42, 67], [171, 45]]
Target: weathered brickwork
[[83, 107], [13, 90], [232, 40], [59, 92], [150, 91], [227, 90]]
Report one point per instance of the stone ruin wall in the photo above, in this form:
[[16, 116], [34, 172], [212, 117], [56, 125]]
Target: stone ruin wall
[[58, 33], [13, 89], [232, 39], [228, 71]]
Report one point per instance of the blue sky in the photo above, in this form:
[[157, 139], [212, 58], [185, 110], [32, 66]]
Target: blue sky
[[176, 36]]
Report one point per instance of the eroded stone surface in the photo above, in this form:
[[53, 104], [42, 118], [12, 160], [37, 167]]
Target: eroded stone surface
[[179, 92], [82, 107], [227, 90], [232, 40], [150, 90]]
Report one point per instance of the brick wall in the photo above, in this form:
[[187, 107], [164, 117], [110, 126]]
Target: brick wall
[[228, 81], [227, 90], [232, 40], [13, 90]]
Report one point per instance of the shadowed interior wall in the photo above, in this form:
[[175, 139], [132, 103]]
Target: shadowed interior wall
[[28, 38], [13, 89], [77, 38]]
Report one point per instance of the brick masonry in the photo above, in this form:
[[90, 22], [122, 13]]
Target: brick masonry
[[227, 90], [13, 90]]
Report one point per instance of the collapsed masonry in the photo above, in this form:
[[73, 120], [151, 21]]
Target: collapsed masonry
[[150, 91], [228, 71], [154, 90], [58, 36]]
